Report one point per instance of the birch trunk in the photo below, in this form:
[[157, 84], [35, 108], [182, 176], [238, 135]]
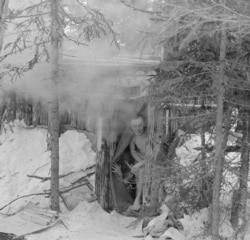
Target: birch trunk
[[54, 104], [219, 142]]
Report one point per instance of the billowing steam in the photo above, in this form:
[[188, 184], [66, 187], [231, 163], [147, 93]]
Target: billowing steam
[[94, 77]]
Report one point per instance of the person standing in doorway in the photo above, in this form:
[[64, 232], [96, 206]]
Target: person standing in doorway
[[138, 151]]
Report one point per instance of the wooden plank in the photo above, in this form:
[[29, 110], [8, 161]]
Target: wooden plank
[[35, 218], [26, 221]]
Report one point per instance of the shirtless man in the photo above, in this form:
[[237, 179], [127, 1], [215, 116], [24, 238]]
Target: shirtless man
[[138, 151]]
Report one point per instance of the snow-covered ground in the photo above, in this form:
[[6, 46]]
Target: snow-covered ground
[[23, 151]]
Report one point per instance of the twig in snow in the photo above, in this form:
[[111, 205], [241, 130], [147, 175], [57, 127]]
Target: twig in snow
[[63, 190], [48, 178], [24, 196], [88, 174]]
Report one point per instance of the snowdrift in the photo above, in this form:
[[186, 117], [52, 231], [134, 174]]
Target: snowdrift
[[23, 151]]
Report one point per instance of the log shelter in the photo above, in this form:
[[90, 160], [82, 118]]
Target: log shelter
[[123, 97], [113, 134]]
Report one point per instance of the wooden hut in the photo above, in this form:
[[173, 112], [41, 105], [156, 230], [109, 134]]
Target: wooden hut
[[106, 110], [111, 125]]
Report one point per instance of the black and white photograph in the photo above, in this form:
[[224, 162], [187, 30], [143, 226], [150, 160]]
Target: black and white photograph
[[124, 119]]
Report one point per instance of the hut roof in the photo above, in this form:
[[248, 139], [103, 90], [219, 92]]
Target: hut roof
[[145, 63]]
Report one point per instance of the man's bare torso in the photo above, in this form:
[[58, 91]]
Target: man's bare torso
[[140, 144]]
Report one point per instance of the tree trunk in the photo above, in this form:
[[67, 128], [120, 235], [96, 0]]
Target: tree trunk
[[44, 114], [239, 218], [158, 159], [148, 161], [3, 9], [152, 177], [203, 164], [54, 148], [28, 111], [73, 118], [219, 142], [36, 110], [54, 104]]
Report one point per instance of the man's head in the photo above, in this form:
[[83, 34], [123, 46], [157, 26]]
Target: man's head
[[138, 125]]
